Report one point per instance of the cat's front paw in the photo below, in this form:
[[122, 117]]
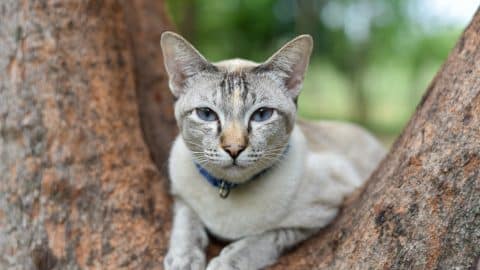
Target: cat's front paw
[[222, 263], [231, 259], [193, 259]]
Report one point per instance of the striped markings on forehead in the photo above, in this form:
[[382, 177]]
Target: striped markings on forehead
[[235, 91], [236, 100]]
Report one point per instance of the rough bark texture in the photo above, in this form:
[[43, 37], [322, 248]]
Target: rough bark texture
[[77, 187], [421, 208], [146, 20]]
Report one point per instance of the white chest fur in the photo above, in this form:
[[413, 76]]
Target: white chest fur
[[251, 208]]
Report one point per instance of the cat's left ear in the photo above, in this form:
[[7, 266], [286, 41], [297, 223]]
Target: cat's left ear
[[181, 61], [290, 63]]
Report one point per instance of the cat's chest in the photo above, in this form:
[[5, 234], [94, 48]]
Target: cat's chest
[[249, 209]]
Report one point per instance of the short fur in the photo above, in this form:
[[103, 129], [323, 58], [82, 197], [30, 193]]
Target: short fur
[[309, 167]]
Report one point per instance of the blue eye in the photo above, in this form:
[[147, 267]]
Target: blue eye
[[206, 114], [262, 114]]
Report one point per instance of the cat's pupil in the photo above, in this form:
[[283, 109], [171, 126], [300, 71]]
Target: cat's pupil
[[206, 114], [262, 114]]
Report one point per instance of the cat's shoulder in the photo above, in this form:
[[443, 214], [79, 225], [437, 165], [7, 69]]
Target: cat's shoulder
[[330, 131], [347, 139]]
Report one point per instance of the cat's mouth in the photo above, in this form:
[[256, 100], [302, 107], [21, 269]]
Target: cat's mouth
[[234, 165]]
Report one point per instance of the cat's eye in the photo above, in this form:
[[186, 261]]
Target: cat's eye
[[262, 114], [206, 114]]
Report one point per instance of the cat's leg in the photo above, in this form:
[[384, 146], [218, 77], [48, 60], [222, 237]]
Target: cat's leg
[[257, 251], [187, 241]]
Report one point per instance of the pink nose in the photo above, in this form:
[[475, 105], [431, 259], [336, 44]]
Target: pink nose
[[233, 149]]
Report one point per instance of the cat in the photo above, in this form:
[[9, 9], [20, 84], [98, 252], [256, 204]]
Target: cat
[[243, 169]]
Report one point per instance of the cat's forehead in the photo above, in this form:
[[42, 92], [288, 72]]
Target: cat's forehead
[[234, 85], [236, 91]]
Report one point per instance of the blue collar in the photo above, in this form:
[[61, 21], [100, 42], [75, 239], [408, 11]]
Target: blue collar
[[224, 186]]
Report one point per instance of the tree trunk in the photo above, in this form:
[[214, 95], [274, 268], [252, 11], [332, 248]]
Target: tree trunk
[[421, 207], [78, 189], [146, 20]]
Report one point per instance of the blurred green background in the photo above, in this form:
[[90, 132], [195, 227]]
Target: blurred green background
[[372, 61]]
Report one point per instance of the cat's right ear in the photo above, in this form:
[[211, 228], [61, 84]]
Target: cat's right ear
[[181, 61], [290, 63]]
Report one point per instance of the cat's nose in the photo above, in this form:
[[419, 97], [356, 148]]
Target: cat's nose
[[234, 149], [234, 139]]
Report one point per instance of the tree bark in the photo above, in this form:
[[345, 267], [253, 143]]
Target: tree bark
[[77, 187], [146, 21], [421, 207]]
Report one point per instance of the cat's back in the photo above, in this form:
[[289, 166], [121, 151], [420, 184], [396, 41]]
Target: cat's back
[[350, 140]]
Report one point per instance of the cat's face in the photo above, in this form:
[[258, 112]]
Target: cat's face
[[235, 116]]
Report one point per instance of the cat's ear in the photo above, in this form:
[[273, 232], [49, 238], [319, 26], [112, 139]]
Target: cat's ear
[[181, 61], [290, 63]]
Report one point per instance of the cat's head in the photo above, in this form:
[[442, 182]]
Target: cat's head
[[235, 116]]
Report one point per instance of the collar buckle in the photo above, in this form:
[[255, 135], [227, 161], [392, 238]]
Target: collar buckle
[[223, 190]]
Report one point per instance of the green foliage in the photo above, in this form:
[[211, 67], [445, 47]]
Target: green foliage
[[371, 62]]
